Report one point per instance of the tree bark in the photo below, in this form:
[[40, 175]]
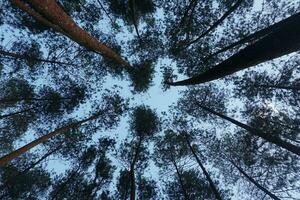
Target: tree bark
[[53, 13], [273, 196], [24, 57], [184, 192], [254, 36], [36, 15], [282, 41], [214, 25], [211, 183], [7, 158], [267, 136]]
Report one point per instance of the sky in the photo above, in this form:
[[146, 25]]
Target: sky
[[155, 97]]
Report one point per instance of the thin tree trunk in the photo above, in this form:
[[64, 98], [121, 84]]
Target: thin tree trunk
[[107, 14], [211, 183], [273, 196], [214, 25], [7, 100], [184, 192], [24, 57], [132, 172], [281, 42], [132, 6], [7, 158], [15, 113], [282, 87], [267, 136], [52, 12]]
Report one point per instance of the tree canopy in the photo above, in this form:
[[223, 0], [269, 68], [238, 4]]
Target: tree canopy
[[149, 99]]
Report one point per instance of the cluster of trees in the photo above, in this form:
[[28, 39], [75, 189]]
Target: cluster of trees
[[232, 133]]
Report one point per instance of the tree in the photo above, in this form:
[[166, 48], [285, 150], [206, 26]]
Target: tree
[[260, 51], [53, 16]]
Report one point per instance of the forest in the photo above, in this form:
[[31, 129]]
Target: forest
[[149, 99]]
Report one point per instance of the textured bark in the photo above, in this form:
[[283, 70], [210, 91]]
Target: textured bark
[[273, 196], [52, 12], [7, 158], [25, 57], [211, 183], [267, 136], [254, 36], [19, 4], [282, 41], [217, 23]]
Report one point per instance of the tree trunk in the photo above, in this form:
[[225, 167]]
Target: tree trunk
[[7, 158], [214, 25], [282, 41], [133, 16], [36, 15], [7, 100], [24, 57], [282, 87], [211, 183], [132, 172], [184, 192], [54, 14], [267, 136], [15, 113], [273, 196], [254, 36]]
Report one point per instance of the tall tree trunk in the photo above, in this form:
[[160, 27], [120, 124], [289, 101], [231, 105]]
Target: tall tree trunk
[[132, 170], [15, 113], [107, 14], [254, 36], [211, 183], [215, 24], [267, 136], [282, 87], [184, 191], [133, 16], [7, 158], [273, 196], [282, 41], [25, 57], [54, 14], [36, 15], [8, 100]]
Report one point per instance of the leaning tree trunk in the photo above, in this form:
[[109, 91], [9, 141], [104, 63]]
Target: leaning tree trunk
[[273, 196], [215, 24], [267, 136], [7, 158], [184, 191], [211, 183], [25, 57], [132, 171], [254, 36], [15, 113], [52, 13], [280, 87], [284, 40]]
